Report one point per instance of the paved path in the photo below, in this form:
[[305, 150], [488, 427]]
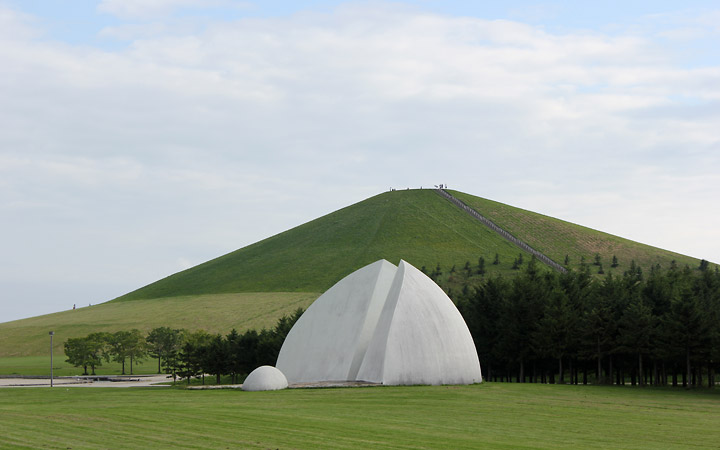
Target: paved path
[[128, 381], [144, 380], [316, 384]]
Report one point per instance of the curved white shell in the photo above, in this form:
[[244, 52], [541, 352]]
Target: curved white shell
[[383, 324], [329, 340]]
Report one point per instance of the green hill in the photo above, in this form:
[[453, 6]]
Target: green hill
[[217, 313], [558, 239], [253, 286], [418, 226]]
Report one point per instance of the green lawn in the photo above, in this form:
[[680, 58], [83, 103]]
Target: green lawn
[[40, 365], [491, 415]]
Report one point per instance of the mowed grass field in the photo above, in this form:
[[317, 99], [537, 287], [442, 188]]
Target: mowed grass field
[[40, 366], [490, 415]]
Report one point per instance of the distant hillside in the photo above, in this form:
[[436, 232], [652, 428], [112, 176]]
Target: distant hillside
[[558, 239], [254, 286], [213, 313], [416, 225]]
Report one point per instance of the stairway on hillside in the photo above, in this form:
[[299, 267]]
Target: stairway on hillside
[[490, 224]]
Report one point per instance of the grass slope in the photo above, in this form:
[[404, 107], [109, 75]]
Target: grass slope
[[213, 313], [557, 238], [499, 415], [418, 226]]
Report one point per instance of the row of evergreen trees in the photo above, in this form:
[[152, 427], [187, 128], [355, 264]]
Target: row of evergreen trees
[[234, 354], [539, 326], [658, 328]]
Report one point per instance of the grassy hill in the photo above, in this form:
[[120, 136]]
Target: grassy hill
[[215, 313], [418, 226], [253, 286], [557, 238]]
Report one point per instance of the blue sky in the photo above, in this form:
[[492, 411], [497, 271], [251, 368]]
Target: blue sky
[[141, 137], [80, 21]]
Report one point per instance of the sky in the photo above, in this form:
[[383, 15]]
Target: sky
[[139, 138]]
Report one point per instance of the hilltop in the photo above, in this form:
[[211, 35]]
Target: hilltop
[[418, 226]]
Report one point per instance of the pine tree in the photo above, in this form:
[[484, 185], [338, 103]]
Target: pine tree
[[556, 329], [519, 318], [690, 332], [634, 274], [637, 332], [481, 266], [481, 312], [600, 323]]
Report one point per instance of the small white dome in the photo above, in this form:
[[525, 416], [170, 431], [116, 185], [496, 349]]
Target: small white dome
[[265, 378]]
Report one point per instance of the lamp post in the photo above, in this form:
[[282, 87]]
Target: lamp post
[[51, 357]]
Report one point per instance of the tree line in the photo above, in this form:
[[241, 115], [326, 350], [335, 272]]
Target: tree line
[[539, 326], [182, 353], [658, 328]]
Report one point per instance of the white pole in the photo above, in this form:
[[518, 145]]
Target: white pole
[[51, 358]]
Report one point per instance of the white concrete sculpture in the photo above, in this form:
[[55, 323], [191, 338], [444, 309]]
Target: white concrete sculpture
[[421, 337], [329, 340], [265, 378], [383, 324]]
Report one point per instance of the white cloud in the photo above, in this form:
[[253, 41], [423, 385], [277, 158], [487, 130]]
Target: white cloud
[[144, 9], [687, 25], [127, 32], [187, 143], [16, 25]]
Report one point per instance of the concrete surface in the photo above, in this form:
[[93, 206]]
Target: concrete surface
[[381, 324], [421, 338], [329, 340], [265, 378], [127, 381]]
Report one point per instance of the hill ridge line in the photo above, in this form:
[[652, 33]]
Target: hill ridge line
[[502, 232]]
